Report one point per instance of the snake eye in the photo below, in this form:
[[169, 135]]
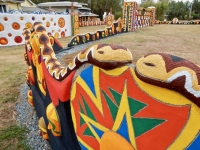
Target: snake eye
[[100, 52], [149, 64]]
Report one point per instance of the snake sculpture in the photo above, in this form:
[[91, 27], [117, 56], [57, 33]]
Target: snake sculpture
[[100, 101], [171, 72], [96, 55]]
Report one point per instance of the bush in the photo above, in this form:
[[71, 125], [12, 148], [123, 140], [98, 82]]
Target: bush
[[118, 15], [186, 17]]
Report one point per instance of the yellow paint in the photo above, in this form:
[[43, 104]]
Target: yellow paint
[[97, 99], [83, 56], [113, 141], [89, 121], [36, 53], [159, 71], [124, 110], [42, 125], [192, 128], [119, 55], [116, 71], [53, 118]]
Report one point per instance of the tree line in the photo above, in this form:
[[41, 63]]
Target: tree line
[[168, 9]]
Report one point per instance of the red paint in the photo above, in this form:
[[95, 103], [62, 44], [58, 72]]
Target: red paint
[[9, 34], [159, 137], [18, 39], [62, 34], [165, 134], [58, 90]]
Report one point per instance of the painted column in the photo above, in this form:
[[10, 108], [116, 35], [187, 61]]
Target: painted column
[[129, 13], [75, 24]]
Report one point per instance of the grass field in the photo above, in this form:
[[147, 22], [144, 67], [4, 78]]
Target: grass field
[[179, 40]]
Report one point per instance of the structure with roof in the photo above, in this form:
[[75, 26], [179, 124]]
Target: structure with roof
[[19, 5]]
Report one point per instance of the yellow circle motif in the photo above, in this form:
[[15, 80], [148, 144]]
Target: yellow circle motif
[[76, 17], [28, 25], [56, 35], [47, 24]]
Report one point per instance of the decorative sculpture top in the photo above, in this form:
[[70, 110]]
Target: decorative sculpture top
[[171, 72]]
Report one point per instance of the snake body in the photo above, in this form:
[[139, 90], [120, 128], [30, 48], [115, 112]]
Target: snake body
[[171, 72], [106, 56]]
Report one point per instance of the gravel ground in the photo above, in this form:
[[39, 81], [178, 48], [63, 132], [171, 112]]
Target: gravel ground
[[26, 116]]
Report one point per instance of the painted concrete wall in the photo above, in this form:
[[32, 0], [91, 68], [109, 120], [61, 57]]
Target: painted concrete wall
[[12, 25]]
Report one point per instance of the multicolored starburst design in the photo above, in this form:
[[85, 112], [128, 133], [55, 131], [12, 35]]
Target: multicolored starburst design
[[100, 105]]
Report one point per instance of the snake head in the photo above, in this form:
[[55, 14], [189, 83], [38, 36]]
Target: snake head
[[111, 52], [151, 66]]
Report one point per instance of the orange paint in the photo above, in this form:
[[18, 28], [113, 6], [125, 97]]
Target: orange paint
[[111, 140]]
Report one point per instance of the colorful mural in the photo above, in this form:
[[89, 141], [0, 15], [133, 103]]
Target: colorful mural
[[154, 105], [75, 24], [12, 25], [91, 23], [134, 19], [115, 28]]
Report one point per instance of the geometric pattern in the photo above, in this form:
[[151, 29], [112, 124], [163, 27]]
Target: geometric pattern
[[100, 106]]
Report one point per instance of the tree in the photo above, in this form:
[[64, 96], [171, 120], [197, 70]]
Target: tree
[[161, 7], [101, 6]]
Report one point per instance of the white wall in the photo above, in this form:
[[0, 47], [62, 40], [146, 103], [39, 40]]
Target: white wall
[[54, 27]]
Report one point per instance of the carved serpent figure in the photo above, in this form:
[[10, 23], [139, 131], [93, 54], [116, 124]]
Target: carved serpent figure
[[95, 54], [100, 101], [171, 72]]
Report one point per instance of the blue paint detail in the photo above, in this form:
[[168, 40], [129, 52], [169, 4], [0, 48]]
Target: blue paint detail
[[86, 75], [123, 129], [195, 145], [99, 132], [82, 146]]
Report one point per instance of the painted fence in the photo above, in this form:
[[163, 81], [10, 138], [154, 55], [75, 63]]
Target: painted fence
[[12, 25], [131, 21]]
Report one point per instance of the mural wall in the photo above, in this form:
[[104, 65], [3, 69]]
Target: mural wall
[[132, 20], [80, 106], [12, 25]]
